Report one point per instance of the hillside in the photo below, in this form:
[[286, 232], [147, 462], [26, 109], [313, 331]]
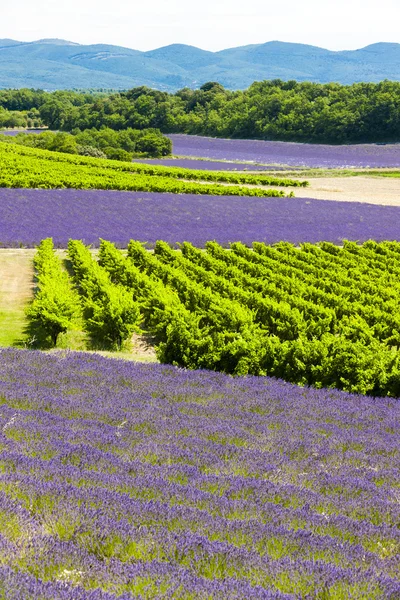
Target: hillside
[[59, 64]]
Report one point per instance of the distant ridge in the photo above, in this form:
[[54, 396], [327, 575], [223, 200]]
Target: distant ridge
[[60, 64]]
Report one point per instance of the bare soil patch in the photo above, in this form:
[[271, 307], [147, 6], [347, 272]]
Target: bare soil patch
[[369, 189], [16, 277], [143, 347], [373, 190]]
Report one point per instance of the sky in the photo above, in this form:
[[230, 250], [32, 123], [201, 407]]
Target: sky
[[208, 24]]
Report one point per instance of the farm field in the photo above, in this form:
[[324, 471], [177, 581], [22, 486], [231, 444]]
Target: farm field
[[17, 285], [50, 165], [14, 132], [126, 480], [29, 215], [287, 153], [122, 479], [211, 165], [23, 167], [370, 188], [320, 315]]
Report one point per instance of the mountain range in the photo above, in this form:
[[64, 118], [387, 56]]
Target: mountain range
[[58, 64]]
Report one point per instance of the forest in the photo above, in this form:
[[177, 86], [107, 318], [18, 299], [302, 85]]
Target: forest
[[269, 110]]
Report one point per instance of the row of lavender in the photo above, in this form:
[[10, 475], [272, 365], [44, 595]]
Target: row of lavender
[[123, 480], [27, 216]]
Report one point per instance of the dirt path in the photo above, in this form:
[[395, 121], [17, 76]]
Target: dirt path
[[374, 190], [16, 290]]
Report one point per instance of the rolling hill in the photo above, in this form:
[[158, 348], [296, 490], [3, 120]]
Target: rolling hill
[[60, 64]]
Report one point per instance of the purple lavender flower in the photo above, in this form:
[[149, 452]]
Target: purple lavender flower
[[27, 216], [287, 153], [124, 480], [14, 132]]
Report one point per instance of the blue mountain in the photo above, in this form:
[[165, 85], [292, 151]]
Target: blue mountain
[[60, 64]]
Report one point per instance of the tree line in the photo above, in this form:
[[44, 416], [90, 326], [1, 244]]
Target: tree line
[[271, 110]]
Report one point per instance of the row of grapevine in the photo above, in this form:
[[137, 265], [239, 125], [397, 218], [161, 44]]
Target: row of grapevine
[[273, 313], [341, 265], [323, 346], [111, 314], [360, 296], [30, 168], [217, 309], [160, 170], [56, 304], [192, 328]]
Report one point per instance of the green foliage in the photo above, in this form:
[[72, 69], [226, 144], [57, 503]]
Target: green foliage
[[111, 144], [90, 151], [110, 312], [11, 119], [23, 167], [56, 303], [152, 144], [273, 110], [129, 142], [268, 311], [260, 311], [118, 154]]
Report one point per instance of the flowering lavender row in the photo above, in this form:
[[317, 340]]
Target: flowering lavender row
[[122, 480], [27, 216], [288, 153], [207, 165]]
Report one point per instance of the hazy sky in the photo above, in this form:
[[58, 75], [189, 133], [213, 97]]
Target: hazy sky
[[208, 24]]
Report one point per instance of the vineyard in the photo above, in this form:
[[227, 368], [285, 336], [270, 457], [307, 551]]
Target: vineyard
[[23, 167], [321, 315]]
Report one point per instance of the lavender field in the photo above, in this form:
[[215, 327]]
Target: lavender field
[[208, 165], [287, 153], [123, 480], [27, 216]]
